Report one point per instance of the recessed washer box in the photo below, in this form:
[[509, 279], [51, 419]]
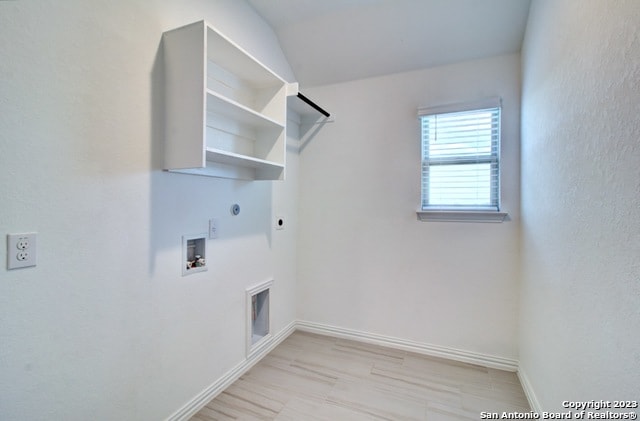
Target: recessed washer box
[[194, 256]]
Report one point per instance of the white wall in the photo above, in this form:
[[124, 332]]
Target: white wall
[[366, 262], [105, 327], [580, 314]]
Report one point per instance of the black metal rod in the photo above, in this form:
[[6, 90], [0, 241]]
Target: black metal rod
[[313, 104]]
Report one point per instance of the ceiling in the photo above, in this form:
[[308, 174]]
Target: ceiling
[[330, 41]]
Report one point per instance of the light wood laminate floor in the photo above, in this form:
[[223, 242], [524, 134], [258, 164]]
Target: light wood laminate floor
[[314, 377]]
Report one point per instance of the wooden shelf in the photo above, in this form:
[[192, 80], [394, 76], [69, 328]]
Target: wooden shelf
[[231, 158], [222, 106], [237, 61]]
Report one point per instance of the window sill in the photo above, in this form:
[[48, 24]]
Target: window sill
[[461, 216]]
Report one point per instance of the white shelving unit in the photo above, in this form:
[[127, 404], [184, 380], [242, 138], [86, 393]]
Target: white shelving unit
[[225, 111]]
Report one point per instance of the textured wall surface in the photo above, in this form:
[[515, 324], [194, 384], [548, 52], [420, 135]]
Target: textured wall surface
[[580, 312], [105, 327], [366, 263]]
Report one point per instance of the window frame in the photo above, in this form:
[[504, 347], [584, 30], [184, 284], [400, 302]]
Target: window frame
[[472, 213]]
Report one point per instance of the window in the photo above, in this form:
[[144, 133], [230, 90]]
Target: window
[[461, 161]]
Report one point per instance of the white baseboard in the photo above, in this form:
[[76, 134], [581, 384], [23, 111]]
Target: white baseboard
[[534, 403], [406, 345], [203, 398]]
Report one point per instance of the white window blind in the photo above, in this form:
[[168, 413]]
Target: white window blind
[[460, 157]]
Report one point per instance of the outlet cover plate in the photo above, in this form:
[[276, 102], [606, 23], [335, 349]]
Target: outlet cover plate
[[214, 227], [21, 250]]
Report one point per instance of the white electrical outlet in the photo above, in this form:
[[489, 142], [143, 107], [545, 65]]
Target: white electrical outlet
[[21, 250], [213, 228]]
